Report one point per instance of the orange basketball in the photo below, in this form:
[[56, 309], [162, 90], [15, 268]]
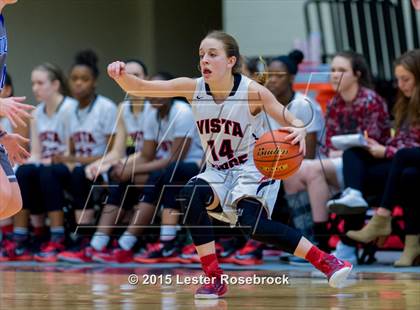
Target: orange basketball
[[275, 157]]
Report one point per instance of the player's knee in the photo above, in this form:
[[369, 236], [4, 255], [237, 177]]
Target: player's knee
[[14, 203], [195, 197], [249, 212], [312, 169], [197, 189], [5, 193]]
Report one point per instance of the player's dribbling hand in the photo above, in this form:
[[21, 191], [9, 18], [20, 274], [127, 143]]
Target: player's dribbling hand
[[16, 152], [297, 135], [15, 110], [116, 69]]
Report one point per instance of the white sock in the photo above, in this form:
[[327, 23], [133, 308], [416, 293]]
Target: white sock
[[167, 232], [127, 241], [99, 241]]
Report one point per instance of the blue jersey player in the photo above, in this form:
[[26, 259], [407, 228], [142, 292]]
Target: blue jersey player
[[14, 109]]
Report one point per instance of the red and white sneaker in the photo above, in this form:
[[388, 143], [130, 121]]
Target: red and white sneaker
[[158, 253], [188, 255], [335, 269], [49, 252], [213, 290], [216, 288], [117, 255], [11, 250], [250, 254], [83, 255]]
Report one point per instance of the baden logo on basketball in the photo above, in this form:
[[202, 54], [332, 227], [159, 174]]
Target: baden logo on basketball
[[277, 151], [275, 157]]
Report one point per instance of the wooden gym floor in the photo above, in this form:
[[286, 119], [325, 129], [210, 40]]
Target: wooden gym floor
[[93, 286]]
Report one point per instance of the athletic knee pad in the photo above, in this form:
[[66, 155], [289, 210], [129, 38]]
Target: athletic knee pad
[[249, 211], [198, 190], [197, 197]]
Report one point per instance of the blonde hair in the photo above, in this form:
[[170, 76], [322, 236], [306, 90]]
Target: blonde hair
[[408, 109]]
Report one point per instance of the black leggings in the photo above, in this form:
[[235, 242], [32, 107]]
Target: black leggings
[[402, 186], [252, 219], [42, 187], [367, 174], [165, 184], [364, 172], [81, 189], [397, 180]]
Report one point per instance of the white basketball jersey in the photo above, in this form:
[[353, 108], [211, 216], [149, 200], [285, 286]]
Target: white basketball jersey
[[53, 131], [228, 130], [6, 124], [91, 126], [134, 124], [179, 123]]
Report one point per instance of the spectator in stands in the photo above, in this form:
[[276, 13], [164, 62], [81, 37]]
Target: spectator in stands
[[371, 170], [355, 109]]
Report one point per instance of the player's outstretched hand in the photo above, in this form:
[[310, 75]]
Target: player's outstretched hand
[[116, 69], [15, 110], [13, 145], [297, 135]]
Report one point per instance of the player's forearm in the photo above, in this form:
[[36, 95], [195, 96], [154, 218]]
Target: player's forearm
[[130, 83]]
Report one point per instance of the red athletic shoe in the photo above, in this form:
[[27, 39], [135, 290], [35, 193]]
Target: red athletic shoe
[[117, 255], [250, 254], [83, 255], [226, 255], [216, 288], [335, 269], [49, 252], [11, 250], [212, 290], [158, 253], [188, 255]]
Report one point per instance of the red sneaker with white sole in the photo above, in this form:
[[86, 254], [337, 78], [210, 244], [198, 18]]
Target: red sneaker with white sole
[[216, 288], [335, 269]]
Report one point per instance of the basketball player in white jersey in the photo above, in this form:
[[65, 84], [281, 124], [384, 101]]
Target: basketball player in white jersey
[[228, 110], [169, 136], [132, 115], [92, 129]]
